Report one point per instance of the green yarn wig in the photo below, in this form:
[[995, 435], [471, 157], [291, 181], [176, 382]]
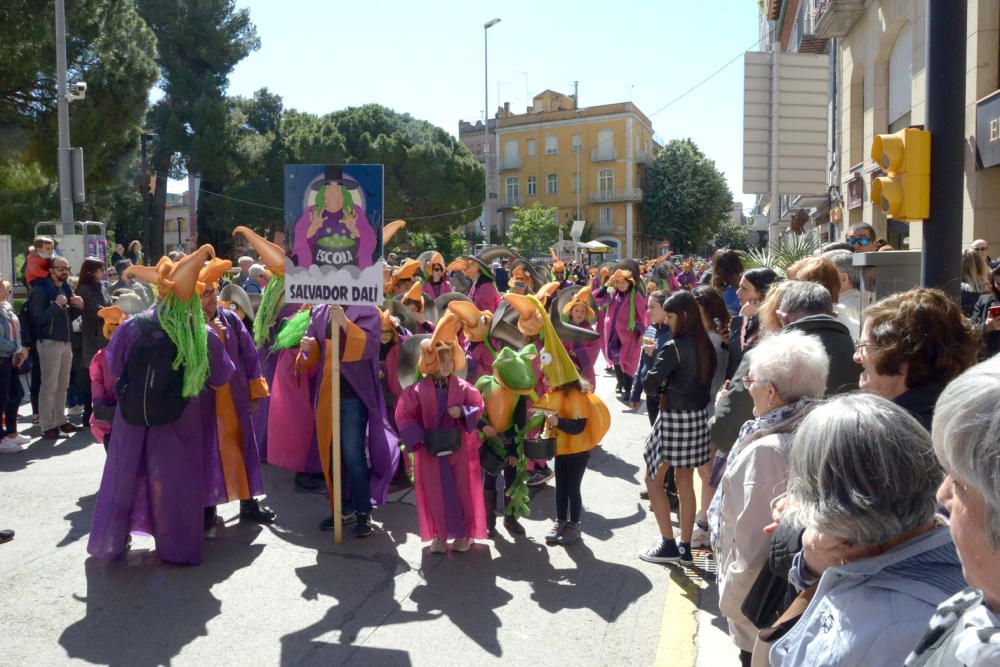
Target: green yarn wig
[[184, 324], [268, 311], [293, 330]]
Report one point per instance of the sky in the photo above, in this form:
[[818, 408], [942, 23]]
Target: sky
[[426, 59]]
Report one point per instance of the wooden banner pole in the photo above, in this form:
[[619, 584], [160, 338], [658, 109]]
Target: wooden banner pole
[[338, 523]]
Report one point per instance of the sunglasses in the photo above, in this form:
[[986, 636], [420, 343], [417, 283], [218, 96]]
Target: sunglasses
[[980, 249], [858, 241]]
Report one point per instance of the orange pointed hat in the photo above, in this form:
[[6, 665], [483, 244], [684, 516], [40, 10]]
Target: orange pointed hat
[[475, 322], [445, 336], [581, 297], [213, 270], [271, 254], [112, 316], [546, 292], [390, 230], [529, 321], [184, 274], [406, 271], [416, 295], [557, 264], [158, 275]]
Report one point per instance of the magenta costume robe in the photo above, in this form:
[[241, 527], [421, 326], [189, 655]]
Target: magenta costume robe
[[601, 310], [242, 353], [584, 355], [292, 419], [485, 295], [153, 478], [449, 488], [624, 344], [434, 290], [268, 361], [480, 362]]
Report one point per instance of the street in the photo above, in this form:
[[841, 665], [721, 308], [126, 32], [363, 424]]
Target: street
[[287, 595]]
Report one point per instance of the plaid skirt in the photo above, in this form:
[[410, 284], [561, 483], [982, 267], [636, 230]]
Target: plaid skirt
[[679, 439]]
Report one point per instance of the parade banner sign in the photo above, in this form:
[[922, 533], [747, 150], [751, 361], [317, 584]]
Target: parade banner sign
[[333, 230]]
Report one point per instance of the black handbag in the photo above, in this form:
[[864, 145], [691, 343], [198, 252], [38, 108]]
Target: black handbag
[[442, 442]]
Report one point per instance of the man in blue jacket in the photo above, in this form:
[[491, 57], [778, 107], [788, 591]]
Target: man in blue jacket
[[53, 307]]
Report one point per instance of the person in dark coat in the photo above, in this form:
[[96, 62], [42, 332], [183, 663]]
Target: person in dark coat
[[95, 296], [989, 327]]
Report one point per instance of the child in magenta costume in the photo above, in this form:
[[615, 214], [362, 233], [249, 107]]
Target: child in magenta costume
[[393, 334], [483, 291], [102, 381], [475, 327], [598, 279], [579, 313], [414, 300], [624, 324], [449, 500]]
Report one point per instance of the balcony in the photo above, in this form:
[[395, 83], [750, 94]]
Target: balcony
[[510, 163], [608, 196], [803, 37], [643, 157], [835, 18], [511, 202], [603, 155]]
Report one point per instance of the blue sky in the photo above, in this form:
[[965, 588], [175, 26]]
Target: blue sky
[[426, 59]]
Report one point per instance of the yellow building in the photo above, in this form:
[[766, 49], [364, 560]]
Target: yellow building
[[589, 163]]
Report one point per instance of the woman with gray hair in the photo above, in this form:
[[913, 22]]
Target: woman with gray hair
[[861, 482], [787, 376], [965, 630]]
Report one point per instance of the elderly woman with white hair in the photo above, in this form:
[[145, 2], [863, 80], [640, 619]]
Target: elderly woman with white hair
[[875, 558], [965, 630], [787, 377]]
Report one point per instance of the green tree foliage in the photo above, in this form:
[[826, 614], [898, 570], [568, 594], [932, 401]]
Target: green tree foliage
[[686, 198], [733, 236], [449, 244], [534, 229]]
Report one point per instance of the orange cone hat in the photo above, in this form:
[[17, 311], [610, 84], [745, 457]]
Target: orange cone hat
[[271, 254]]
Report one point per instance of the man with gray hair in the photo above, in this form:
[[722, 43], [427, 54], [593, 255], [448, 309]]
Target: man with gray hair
[[848, 308], [807, 307], [245, 264]]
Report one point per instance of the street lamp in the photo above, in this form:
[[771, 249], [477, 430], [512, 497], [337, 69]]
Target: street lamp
[[486, 124]]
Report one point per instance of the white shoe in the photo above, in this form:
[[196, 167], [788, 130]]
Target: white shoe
[[19, 438], [700, 538], [461, 544], [75, 411], [438, 546], [8, 446]]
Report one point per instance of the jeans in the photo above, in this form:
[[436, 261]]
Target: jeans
[[10, 395], [353, 425]]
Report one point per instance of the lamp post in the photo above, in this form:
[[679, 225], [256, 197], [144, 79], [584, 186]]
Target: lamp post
[[486, 124]]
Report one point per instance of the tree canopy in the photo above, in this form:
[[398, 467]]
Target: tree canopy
[[686, 198], [534, 229]]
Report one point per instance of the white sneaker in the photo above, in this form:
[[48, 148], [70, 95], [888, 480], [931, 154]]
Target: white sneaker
[[19, 438], [438, 546], [8, 446], [700, 538], [75, 411]]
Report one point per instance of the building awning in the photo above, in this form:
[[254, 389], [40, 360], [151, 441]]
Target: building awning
[[594, 246]]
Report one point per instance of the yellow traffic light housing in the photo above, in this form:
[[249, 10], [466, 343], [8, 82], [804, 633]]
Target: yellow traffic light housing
[[904, 192]]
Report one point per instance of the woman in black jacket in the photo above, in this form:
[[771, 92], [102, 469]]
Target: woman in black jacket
[[989, 326], [95, 296], [682, 375]]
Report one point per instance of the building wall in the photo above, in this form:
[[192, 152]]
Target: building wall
[[471, 134], [864, 81], [626, 147]]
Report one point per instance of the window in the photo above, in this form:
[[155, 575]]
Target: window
[[577, 142], [551, 145], [510, 150], [606, 223], [606, 181], [901, 80], [530, 150], [551, 184], [513, 188], [576, 182], [606, 145], [532, 186]]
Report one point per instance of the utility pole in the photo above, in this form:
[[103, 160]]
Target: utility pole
[[942, 238], [66, 216], [486, 124]]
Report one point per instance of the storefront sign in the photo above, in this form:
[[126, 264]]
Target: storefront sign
[[988, 131]]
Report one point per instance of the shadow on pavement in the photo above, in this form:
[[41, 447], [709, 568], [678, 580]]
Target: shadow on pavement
[[141, 611], [39, 450], [609, 465], [80, 520]]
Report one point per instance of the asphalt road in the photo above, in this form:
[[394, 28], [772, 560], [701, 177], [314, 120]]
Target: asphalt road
[[285, 594]]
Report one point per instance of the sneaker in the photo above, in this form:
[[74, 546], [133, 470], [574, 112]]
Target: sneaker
[[512, 525], [438, 546], [34, 419], [571, 533], [644, 494], [69, 428], [363, 527], [552, 537], [211, 514], [19, 438], [540, 477], [8, 446], [52, 434], [307, 483], [6, 535], [700, 538], [345, 519], [75, 411], [685, 550], [252, 510], [664, 551], [461, 544]]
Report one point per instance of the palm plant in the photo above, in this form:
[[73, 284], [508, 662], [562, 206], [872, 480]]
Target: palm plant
[[790, 249]]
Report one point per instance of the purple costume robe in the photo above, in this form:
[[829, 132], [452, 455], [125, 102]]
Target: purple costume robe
[[268, 361], [153, 478], [242, 352], [434, 290], [624, 343]]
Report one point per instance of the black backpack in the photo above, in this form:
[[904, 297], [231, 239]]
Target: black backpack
[[27, 326], [149, 389]]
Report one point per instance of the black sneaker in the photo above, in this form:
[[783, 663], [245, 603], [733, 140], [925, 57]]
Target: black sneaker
[[685, 550], [363, 528], [252, 510], [664, 551], [210, 515], [52, 434], [6, 535], [69, 427], [345, 519], [552, 537]]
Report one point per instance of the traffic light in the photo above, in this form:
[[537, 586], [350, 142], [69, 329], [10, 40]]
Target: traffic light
[[904, 193]]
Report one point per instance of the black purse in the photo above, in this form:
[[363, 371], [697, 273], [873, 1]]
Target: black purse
[[442, 442]]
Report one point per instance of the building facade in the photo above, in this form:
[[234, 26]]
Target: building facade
[[878, 85], [472, 135], [588, 163]]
